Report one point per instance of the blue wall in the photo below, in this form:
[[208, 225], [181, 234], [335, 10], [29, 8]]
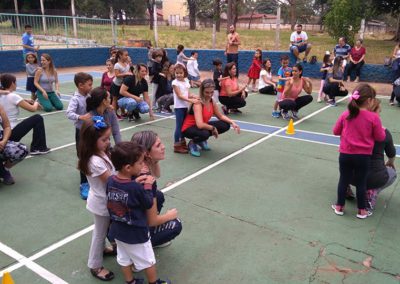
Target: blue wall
[[11, 61]]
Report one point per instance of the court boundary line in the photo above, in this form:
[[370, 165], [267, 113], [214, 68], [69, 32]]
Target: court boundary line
[[33, 266]]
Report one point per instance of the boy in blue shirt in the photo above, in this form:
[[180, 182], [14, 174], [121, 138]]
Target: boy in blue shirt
[[27, 42], [128, 201], [284, 74]]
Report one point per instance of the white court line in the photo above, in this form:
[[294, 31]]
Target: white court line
[[247, 147], [43, 114], [41, 271]]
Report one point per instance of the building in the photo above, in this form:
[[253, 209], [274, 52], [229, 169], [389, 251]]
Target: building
[[174, 10]]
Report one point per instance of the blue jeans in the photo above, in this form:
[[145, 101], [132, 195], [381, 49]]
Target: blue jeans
[[180, 114], [131, 105]]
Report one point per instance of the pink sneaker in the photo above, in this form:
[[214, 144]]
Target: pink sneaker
[[363, 214], [339, 210]]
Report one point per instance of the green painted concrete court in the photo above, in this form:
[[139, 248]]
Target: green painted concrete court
[[253, 211]]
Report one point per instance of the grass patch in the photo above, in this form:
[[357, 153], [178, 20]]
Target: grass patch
[[170, 37]]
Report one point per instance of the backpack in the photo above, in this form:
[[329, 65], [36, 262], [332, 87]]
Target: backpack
[[313, 59]]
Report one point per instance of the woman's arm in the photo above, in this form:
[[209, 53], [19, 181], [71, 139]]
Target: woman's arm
[[57, 84], [268, 81], [146, 98], [153, 219], [27, 106], [231, 93], [116, 133], [222, 117], [6, 128], [395, 51]]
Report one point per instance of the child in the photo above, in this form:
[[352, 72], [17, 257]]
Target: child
[[108, 76], [154, 73], [77, 113], [284, 74], [94, 161], [164, 95], [121, 70], [181, 57], [193, 70], [326, 65], [265, 84], [31, 67], [128, 201], [254, 70], [358, 128], [217, 76], [182, 97]]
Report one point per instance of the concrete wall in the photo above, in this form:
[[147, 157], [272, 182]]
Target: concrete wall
[[11, 61]]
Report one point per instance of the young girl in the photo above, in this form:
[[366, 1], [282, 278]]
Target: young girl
[[164, 95], [108, 76], [45, 77], [94, 161], [99, 103], [265, 84], [326, 66], [181, 57], [334, 85], [255, 68], [31, 67], [182, 97], [358, 128], [121, 70]]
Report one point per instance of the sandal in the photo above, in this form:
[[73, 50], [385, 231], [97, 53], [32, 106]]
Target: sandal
[[95, 272], [110, 251]]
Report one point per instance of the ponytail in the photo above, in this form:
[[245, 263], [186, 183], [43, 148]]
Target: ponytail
[[97, 95], [360, 96]]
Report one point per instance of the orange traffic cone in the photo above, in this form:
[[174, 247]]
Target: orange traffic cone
[[7, 279], [290, 128]]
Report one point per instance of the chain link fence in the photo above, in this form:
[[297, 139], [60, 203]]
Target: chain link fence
[[56, 31]]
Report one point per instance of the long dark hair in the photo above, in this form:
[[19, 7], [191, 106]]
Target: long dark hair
[[179, 48], [326, 59], [265, 62], [97, 96], [119, 54], [300, 68], [87, 144], [337, 64], [228, 68], [365, 92]]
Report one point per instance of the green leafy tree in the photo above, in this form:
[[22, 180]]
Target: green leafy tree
[[344, 19], [392, 7]]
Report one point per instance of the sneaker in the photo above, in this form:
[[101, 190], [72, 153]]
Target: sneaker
[[163, 245], [363, 214], [295, 114], [40, 152], [276, 114], [350, 194], [165, 111], [179, 148], [84, 190], [372, 196], [225, 110], [235, 110], [7, 177], [339, 210], [159, 281], [204, 146], [391, 103], [319, 100], [331, 103], [193, 149], [136, 115], [285, 115]]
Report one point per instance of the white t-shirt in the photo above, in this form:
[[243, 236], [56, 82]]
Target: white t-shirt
[[261, 83], [193, 68], [184, 87], [118, 80], [97, 199], [298, 38], [10, 104]]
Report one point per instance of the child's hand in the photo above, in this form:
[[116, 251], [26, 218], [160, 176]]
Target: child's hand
[[149, 179], [85, 116], [141, 179], [194, 100], [171, 214]]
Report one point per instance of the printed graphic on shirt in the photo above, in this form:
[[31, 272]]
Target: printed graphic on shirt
[[118, 205], [284, 73]]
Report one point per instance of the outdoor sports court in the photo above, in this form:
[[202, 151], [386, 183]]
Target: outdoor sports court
[[255, 209]]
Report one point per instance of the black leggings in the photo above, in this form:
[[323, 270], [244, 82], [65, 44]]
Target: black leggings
[[357, 67], [296, 104], [232, 102], [333, 90], [200, 135], [268, 90], [36, 123], [353, 167], [395, 94]]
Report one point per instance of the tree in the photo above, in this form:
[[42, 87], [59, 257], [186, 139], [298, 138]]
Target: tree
[[192, 6], [392, 7], [344, 19]]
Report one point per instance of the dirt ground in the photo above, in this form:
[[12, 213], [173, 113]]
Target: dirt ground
[[382, 89]]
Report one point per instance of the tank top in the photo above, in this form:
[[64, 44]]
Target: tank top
[[46, 82], [294, 92], [190, 121]]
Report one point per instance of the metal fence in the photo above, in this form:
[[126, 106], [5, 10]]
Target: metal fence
[[57, 31]]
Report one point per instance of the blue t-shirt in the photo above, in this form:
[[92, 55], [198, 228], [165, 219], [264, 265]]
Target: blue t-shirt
[[283, 73], [127, 202], [342, 50], [27, 39]]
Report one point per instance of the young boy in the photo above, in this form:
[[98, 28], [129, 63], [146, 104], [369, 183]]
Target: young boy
[[193, 70], [77, 113], [128, 201], [154, 73], [284, 74]]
